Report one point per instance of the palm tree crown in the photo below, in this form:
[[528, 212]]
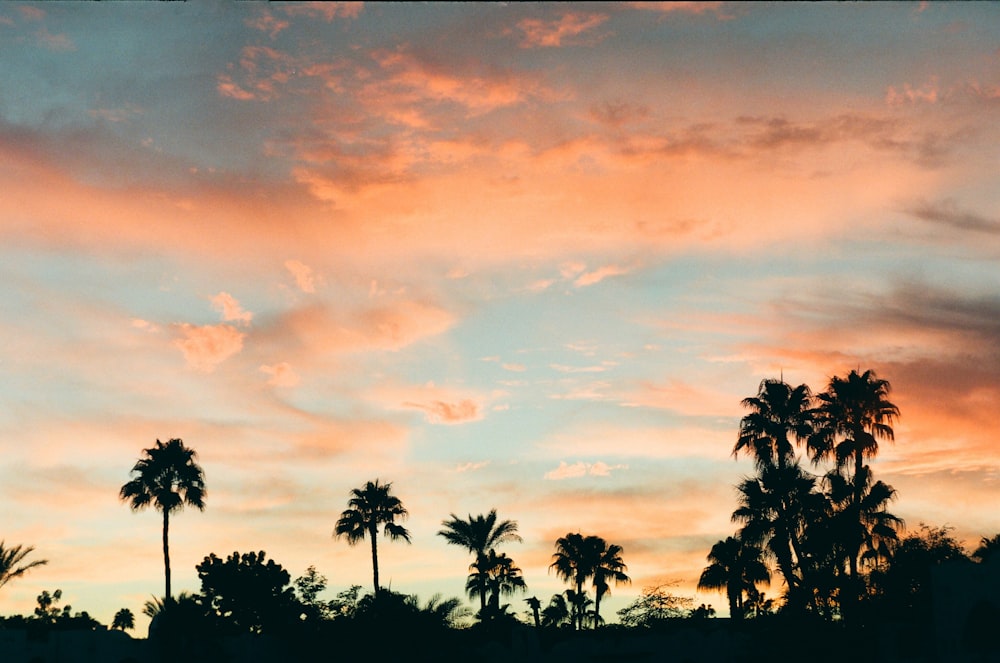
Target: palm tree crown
[[368, 508], [735, 567], [166, 477], [11, 562], [578, 559], [608, 567], [779, 415]]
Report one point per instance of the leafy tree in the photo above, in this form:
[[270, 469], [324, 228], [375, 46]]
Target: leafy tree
[[124, 620], [735, 567], [46, 609], [346, 602], [496, 575], [12, 562], [368, 508], [247, 593], [479, 535], [308, 587], [702, 612], [166, 477], [989, 548], [654, 606]]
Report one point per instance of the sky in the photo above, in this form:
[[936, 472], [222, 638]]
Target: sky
[[523, 257]]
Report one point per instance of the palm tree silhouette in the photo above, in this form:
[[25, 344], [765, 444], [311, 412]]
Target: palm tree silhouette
[[573, 564], [479, 535], [496, 575], [11, 559], [608, 567], [168, 478], [779, 415], [557, 612], [123, 620], [536, 607], [735, 567], [988, 548], [854, 413], [368, 508]]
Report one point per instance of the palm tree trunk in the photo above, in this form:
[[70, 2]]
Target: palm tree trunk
[[166, 551], [372, 534], [597, 608]]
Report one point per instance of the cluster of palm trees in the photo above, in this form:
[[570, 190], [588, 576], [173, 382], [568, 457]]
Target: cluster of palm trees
[[824, 532]]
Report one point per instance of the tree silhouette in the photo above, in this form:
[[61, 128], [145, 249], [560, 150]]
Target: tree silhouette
[[779, 416], [368, 508], [496, 575], [573, 564], [168, 478], [124, 620], [989, 548], [536, 607], [557, 612], [248, 594], [479, 535], [735, 567], [12, 562], [608, 567]]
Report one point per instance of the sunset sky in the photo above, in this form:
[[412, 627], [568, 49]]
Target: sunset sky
[[523, 257]]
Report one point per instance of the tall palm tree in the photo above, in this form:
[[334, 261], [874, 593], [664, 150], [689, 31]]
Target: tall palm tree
[[853, 415], [735, 567], [608, 567], [498, 576], [11, 562], [166, 477], [573, 563], [780, 415], [368, 508], [479, 535]]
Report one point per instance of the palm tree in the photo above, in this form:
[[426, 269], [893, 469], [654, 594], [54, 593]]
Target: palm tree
[[536, 607], [735, 567], [779, 415], [573, 563], [368, 508], [167, 477], [479, 535], [854, 413], [497, 575], [11, 562], [608, 567], [123, 620], [558, 611]]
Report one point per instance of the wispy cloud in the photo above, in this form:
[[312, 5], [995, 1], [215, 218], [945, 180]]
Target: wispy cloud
[[581, 469], [565, 30], [207, 346]]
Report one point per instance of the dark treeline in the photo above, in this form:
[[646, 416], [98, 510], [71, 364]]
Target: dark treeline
[[812, 524]]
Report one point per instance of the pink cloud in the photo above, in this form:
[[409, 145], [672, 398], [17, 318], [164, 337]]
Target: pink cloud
[[598, 275], [266, 22], [696, 8], [230, 309], [440, 412], [440, 405], [227, 88], [543, 34], [581, 469], [31, 13], [55, 42], [207, 346], [304, 276], [325, 10], [281, 375]]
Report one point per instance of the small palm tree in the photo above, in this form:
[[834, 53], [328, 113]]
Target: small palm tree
[[735, 567], [12, 562], [166, 477], [498, 576], [368, 508], [123, 620], [608, 567], [573, 563], [557, 612], [536, 607], [479, 535]]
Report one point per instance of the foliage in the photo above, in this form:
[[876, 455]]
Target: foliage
[[308, 587], [735, 567], [12, 562], [166, 477], [246, 594], [579, 559], [479, 535], [989, 548], [367, 509], [654, 607], [494, 575], [124, 620]]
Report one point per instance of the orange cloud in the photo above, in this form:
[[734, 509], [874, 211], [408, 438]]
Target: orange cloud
[[208, 346], [281, 375], [541, 34], [580, 469], [325, 10], [304, 276], [230, 309]]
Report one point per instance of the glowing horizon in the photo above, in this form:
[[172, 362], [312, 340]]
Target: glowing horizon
[[523, 257]]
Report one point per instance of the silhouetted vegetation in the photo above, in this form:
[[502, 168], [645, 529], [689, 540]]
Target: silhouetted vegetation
[[848, 572]]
